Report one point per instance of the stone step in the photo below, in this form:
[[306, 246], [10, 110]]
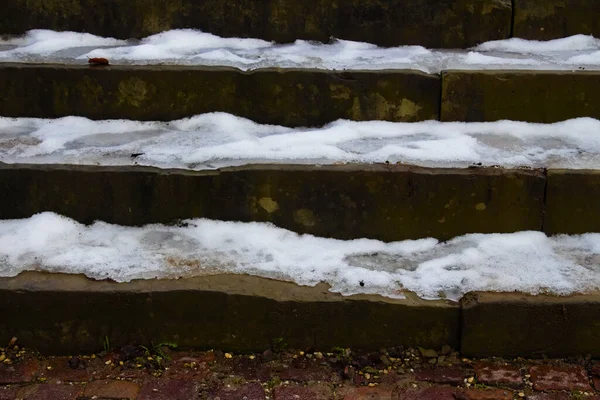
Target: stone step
[[446, 23], [291, 97], [69, 314], [386, 202], [295, 97]]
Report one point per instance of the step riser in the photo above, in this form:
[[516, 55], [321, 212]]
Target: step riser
[[69, 314], [382, 202], [510, 324], [284, 97], [533, 96], [295, 97], [430, 23]]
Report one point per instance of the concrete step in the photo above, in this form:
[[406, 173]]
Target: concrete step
[[67, 314], [446, 23], [425, 22], [295, 97], [285, 97], [386, 202]]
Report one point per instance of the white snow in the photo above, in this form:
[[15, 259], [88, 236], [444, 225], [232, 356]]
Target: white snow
[[190, 47], [526, 262], [218, 140]]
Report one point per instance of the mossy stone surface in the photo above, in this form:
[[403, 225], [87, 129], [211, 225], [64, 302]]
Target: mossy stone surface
[[70, 314], [513, 324], [573, 202], [554, 19], [431, 23], [533, 96], [386, 202], [291, 97]]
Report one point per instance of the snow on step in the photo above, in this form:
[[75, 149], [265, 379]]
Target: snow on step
[[218, 140], [189, 47], [525, 261]]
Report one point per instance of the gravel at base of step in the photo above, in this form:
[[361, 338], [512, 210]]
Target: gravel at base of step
[[135, 372]]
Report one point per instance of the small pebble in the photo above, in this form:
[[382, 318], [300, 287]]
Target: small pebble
[[228, 355], [471, 379], [108, 362], [49, 368], [521, 394], [252, 357]]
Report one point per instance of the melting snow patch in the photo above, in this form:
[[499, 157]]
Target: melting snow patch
[[218, 140], [526, 261], [190, 47]]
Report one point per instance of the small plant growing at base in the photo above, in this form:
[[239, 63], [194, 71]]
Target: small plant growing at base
[[106, 344], [155, 351], [279, 345]]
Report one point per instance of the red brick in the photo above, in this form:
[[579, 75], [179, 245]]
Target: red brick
[[169, 389], [552, 396], [251, 369], [323, 390], [484, 394], [249, 391], [19, 372], [547, 377], [179, 372], [499, 375], [368, 393], [190, 367], [112, 389], [286, 392], [595, 369], [61, 371], [450, 375], [304, 370], [50, 392], [432, 393], [8, 393]]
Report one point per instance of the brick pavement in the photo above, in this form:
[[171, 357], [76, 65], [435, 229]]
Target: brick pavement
[[396, 374]]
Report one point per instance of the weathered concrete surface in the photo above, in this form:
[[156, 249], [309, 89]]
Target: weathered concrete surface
[[386, 202], [67, 314], [572, 202], [292, 97], [553, 19], [535, 96], [432, 23], [511, 324]]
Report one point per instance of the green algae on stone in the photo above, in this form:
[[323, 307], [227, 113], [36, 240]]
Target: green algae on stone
[[554, 19], [70, 314], [532, 96], [430, 23], [291, 97], [382, 202], [573, 202], [538, 326]]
